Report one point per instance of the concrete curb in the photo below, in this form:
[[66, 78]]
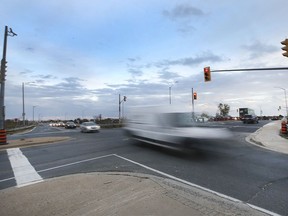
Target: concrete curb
[[268, 137], [33, 141]]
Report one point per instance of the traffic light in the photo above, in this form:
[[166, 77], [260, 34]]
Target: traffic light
[[285, 48], [207, 74], [195, 95], [3, 65], [3, 69], [125, 98]]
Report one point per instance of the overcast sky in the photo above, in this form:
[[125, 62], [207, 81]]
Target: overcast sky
[[76, 57]]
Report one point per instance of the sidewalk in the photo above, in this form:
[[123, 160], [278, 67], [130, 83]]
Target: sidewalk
[[269, 137], [113, 193], [120, 194]]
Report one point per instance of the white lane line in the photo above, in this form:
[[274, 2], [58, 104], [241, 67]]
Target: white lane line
[[77, 162], [148, 168], [24, 172], [65, 165], [197, 186]]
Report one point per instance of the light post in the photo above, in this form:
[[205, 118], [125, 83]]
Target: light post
[[285, 99], [2, 76], [23, 104], [33, 113], [170, 89]]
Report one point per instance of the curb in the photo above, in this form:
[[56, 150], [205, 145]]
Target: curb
[[33, 141]]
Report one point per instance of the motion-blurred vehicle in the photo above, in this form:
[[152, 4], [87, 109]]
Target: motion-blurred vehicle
[[70, 125], [89, 127], [250, 119], [60, 124], [171, 128]]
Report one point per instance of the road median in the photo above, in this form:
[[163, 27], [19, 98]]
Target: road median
[[25, 142]]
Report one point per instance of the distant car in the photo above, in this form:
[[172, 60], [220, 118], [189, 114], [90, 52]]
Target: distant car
[[89, 127], [60, 124], [70, 125], [250, 119]]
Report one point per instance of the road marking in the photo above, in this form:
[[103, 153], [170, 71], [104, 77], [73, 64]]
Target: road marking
[[64, 165], [77, 162], [197, 186], [16, 153], [24, 172]]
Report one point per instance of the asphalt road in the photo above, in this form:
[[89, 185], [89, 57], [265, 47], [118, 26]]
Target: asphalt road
[[232, 167]]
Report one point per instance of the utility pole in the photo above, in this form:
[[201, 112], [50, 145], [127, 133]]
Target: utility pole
[[33, 114], [2, 76], [119, 108], [23, 113]]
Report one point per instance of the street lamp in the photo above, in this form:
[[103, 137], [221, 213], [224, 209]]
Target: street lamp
[[170, 88], [2, 76], [33, 113], [285, 99], [23, 104]]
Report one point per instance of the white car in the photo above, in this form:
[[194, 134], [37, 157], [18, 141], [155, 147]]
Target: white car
[[89, 127]]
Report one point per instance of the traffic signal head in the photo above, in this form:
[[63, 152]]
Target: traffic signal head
[[195, 95], [285, 48], [207, 74], [125, 98], [3, 70]]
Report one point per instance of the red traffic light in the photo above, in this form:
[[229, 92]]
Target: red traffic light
[[207, 74], [195, 95]]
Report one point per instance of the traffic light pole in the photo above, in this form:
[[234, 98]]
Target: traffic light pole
[[2, 77], [2, 83], [193, 110], [120, 102]]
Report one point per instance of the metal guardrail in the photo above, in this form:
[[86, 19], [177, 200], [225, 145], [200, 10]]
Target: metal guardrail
[[19, 129]]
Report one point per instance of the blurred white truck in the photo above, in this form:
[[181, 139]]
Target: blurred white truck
[[168, 127]]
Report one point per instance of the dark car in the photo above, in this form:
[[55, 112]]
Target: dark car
[[70, 125], [250, 119]]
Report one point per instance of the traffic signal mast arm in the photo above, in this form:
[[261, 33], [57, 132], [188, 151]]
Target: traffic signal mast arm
[[250, 69], [208, 71]]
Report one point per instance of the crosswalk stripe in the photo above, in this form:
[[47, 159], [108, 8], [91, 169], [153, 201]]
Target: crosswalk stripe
[[24, 172]]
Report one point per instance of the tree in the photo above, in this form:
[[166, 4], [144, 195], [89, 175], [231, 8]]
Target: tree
[[205, 115], [223, 109]]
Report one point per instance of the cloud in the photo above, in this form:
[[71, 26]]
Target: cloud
[[135, 72], [30, 49], [191, 61], [71, 84], [258, 49], [183, 11], [26, 71], [134, 59], [168, 75], [183, 15]]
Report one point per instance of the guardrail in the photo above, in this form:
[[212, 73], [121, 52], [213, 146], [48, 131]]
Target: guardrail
[[19, 129]]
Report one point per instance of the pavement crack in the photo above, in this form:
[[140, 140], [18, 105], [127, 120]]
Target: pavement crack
[[265, 187]]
